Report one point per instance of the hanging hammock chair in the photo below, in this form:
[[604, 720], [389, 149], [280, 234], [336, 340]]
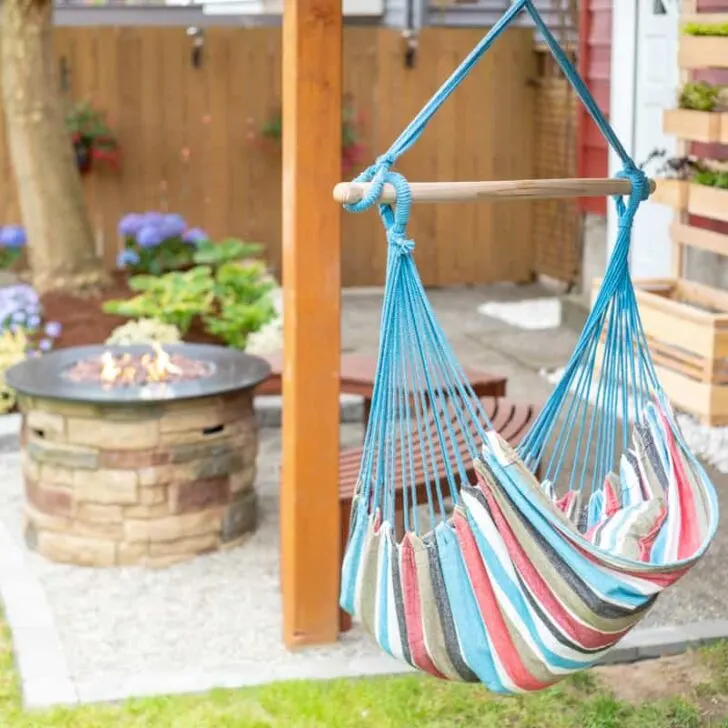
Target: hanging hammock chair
[[512, 581]]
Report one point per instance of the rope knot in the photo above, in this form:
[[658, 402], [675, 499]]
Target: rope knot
[[399, 242], [376, 174], [638, 180]]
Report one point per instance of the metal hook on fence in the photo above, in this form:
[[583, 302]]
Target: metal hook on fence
[[198, 45]]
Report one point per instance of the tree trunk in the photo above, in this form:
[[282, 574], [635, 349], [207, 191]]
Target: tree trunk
[[61, 248]]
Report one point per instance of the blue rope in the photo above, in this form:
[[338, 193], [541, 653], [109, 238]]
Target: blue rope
[[426, 425]]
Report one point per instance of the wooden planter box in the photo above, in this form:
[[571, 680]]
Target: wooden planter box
[[699, 126], [671, 192], [686, 325], [704, 51], [709, 202]]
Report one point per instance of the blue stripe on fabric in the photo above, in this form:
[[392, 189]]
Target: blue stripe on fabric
[[383, 636], [472, 632], [352, 559]]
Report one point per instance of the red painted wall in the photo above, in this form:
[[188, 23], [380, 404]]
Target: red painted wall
[[595, 55]]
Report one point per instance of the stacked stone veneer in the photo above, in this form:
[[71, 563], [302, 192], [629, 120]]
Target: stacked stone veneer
[[148, 484]]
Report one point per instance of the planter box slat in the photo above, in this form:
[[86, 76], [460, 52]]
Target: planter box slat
[[671, 192], [709, 202], [699, 126], [703, 51], [700, 239]]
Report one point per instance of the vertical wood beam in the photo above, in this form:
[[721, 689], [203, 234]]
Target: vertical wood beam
[[310, 558]]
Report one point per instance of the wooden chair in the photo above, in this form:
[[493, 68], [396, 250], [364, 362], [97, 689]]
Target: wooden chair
[[510, 419]]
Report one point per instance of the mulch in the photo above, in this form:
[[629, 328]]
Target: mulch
[[84, 322]]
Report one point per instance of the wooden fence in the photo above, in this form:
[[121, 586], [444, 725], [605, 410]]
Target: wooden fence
[[191, 142]]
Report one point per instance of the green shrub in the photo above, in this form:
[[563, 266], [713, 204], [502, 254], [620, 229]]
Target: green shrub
[[699, 96], [706, 29], [711, 178], [13, 349], [232, 299]]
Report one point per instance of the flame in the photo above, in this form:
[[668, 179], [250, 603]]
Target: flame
[[156, 367]]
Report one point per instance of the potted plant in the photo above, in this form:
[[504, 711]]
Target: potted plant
[[92, 138], [700, 114], [673, 182], [692, 185], [704, 45], [352, 151]]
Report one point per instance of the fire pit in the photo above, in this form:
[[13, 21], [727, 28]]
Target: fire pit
[[138, 455]]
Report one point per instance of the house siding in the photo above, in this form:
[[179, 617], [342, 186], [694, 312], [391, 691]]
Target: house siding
[[595, 57]]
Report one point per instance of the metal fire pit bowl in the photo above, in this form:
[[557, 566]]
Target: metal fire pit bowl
[[232, 370]]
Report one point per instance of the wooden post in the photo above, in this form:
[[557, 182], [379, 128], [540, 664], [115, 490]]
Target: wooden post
[[310, 558]]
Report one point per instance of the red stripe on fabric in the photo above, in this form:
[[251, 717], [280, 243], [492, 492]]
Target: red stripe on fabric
[[413, 611], [490, 612], [689, 537], [566, 501], [611, 503], [581, 634]]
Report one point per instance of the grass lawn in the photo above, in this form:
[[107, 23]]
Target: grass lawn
[[683, 692]]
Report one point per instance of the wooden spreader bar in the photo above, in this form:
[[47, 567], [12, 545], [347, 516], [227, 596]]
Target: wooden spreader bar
[[532, 189]]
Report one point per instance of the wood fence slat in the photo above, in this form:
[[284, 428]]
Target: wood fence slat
[[190, 141]]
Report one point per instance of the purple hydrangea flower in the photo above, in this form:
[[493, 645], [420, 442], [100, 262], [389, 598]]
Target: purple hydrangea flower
[[12, 236], [152, 218], [172, 226], [53, 329], [18, 316], [33, 321], [130, 224], [195, 236], [149, 237], [45, 344], [14, 327], [127, 257]]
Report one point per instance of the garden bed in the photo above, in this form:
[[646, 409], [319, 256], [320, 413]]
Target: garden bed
[[84, 322]]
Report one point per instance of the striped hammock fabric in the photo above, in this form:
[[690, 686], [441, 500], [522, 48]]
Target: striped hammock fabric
[[511, 579], [509, 591]]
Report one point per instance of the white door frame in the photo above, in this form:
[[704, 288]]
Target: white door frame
[[623, 91]]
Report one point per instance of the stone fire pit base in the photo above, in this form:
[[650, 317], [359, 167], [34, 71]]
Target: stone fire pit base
[[149, 484]]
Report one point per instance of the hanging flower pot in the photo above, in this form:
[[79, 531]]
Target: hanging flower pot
[[92, 138], [83, 149]]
